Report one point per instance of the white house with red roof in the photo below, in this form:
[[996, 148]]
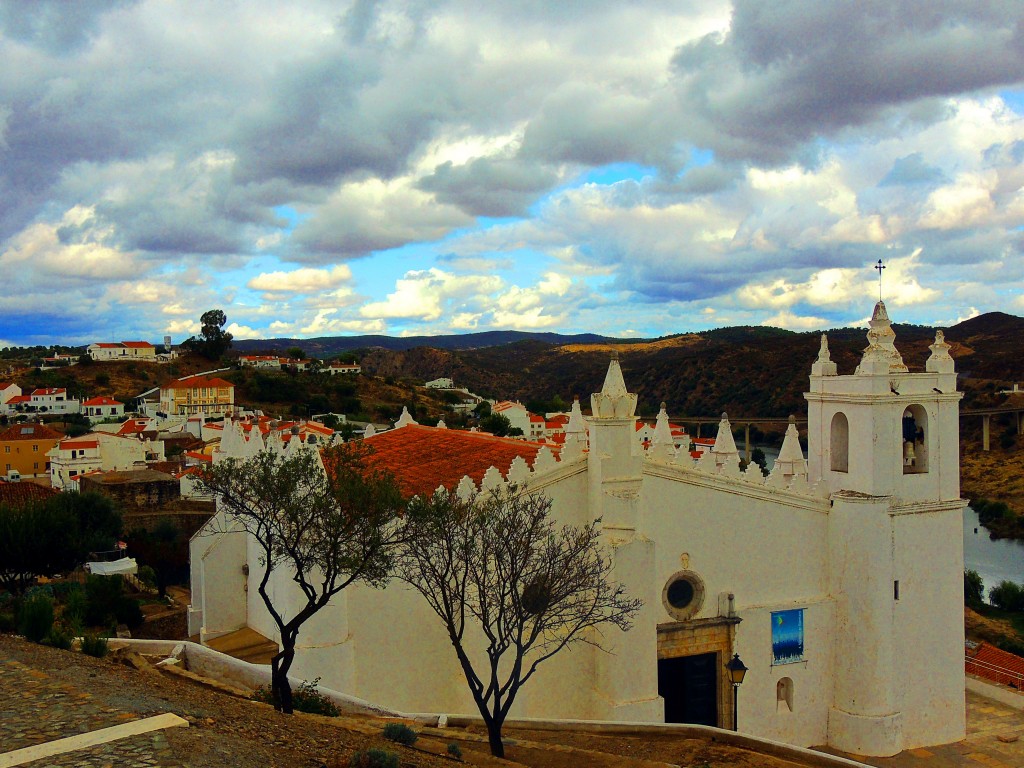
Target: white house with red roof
[[838, 579], [122, 350], [96, 408], [516, 414], [9, 391], [73, 457], [261, 361], [52, 400], [343, 369]]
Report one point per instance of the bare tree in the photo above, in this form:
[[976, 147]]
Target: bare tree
[[328, 522], [497, 564]]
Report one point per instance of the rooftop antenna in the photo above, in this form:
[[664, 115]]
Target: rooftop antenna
[[879, 266]]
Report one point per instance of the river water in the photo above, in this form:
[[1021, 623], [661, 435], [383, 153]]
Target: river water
[[995, 561]]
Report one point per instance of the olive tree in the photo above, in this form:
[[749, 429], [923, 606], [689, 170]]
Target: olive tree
[[497, 566], [327, 521]]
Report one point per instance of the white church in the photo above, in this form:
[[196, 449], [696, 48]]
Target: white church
[[838, 579]]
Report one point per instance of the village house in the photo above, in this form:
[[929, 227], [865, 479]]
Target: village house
[[24, 448], [122, 350], [197, 395], [516, 414], [343, 369], [9, 391], [52, 400], [837, 579], [440, 384], [96, 408], [73, 457], [272, 362]]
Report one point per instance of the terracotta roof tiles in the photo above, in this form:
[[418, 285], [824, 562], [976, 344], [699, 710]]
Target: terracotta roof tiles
[[17, 494], [423, 458], [29, 431], [996, 665]]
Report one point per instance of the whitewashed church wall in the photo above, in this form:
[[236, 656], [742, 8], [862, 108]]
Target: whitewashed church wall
[[764, 550], [403, 657], [929, 625], [760, 710]]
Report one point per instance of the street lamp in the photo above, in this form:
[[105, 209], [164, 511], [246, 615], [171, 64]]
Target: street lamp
[[737, 669]]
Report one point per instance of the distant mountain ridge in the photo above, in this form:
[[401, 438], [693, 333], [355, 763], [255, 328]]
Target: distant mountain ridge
[[743, 370], [326, 346]]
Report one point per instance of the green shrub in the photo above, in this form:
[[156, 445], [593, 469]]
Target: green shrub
[[147, 575], [94, 645], [400, 733], [76, 606], [59, 637], [7, 622], [36, 618], [108, 603], [373, 758], [455, 751], [974, 589], [1007, 596], [305, 698]]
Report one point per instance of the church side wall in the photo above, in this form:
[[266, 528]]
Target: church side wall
[[929, 625]]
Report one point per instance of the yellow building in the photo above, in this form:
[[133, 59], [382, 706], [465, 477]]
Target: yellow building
[[23, 449], [197, 395]]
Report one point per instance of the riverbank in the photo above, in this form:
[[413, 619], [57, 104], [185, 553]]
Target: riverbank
[[998, 476]]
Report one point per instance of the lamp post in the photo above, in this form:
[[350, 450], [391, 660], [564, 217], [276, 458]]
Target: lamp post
[[737, 669]]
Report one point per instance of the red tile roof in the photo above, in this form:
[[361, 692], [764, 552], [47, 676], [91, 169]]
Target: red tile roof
[[133, 427], [29, 431], [101, 401], [47, 391], [198, 381], [136, 344], [17, 494], [995, 664], [19, 399], [108, 344], [78, 444], [423, 458]]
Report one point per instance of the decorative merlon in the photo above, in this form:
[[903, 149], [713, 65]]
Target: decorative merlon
[[405, 419], [614, 401], [824, 366], [662, 444], [790, 463], [369, 431], [576, 427], [940, 360]]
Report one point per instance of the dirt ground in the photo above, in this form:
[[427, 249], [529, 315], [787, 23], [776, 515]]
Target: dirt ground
[[228, 730]]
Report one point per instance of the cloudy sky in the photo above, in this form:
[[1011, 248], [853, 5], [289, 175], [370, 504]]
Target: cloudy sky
[[632, 169]]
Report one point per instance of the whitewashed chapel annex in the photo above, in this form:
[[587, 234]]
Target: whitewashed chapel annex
[[838, 579]]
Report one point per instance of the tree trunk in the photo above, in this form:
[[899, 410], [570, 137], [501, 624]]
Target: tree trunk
[[280, 688], [494, 738]]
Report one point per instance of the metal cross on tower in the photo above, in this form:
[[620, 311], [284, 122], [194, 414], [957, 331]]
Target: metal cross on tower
[[879, 266]]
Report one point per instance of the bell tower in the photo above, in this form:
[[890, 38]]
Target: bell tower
[[884, 441]]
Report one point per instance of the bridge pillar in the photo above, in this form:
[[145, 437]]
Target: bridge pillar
[[984, 431]]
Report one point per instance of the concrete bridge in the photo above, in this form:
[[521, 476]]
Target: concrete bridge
[[986, 415]]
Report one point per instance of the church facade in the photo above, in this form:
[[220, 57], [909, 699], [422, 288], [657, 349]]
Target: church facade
[[838, 579]]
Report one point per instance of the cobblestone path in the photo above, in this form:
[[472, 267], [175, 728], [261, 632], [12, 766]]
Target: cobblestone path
[[38, 709]]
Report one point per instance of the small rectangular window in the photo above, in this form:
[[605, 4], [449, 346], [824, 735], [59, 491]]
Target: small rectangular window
[[896, 590]]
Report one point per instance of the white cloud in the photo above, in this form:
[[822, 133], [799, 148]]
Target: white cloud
[[304, 280], [790, 321], [244, 331], [429, 293]]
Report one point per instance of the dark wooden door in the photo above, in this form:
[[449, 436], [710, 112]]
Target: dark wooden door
[[689, 685]]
